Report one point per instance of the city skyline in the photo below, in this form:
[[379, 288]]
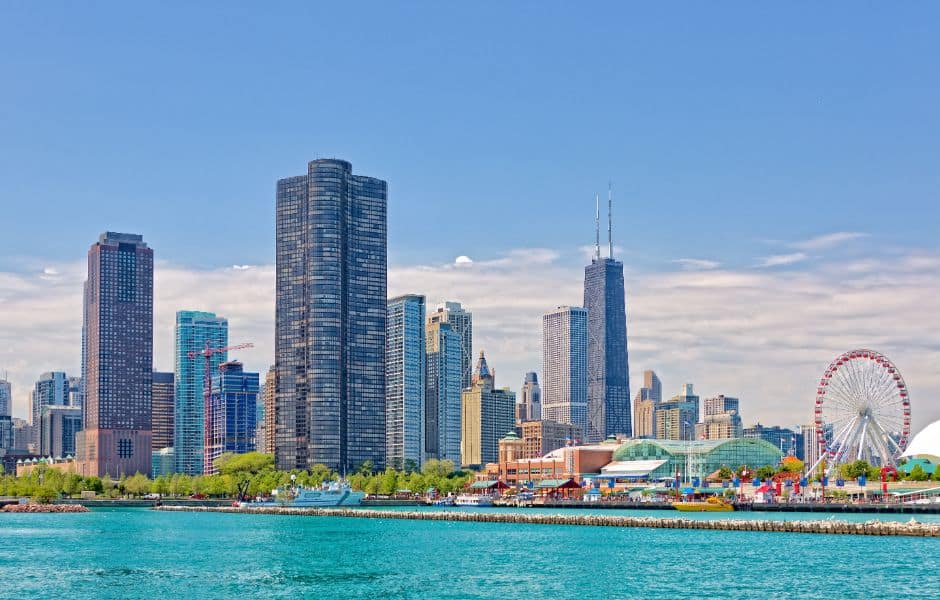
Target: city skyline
[[730, 191]]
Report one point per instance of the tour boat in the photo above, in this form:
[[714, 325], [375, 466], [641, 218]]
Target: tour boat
[[474, 500], [331, 493], [713, 504]]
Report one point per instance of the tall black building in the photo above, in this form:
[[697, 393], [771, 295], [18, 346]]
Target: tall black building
[[330, 318], [608, 371]]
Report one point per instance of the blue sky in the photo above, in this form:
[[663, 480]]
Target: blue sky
[[736, 136]]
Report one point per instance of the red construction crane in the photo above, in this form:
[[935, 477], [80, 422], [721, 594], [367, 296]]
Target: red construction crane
[[207, 353]]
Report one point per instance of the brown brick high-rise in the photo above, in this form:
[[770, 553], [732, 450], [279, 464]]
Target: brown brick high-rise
[[117, 357]]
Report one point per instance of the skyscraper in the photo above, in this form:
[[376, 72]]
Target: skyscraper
[[330, 318], [270, 386], [118, 357], [529, 407], [6, 398], [60, 426], [676, 417], [442, 409], [194, 330], [52, 389], [608, 372], [163, 401], [487, 414], [76, 392], [565, 366], [234, 402], [461, 321], [721, 404], [405, 358], [645, 404]]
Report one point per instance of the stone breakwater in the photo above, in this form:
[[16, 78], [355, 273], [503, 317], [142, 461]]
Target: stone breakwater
[[911, 528], [44, 508]]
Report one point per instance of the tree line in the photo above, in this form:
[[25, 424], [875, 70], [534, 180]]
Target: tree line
[[252, 473]]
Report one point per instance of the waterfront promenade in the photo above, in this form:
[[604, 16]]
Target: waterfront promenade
[[873, 528]]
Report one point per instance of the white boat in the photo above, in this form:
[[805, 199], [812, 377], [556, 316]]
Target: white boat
[[444, 501], [474, 500], [331, 493]]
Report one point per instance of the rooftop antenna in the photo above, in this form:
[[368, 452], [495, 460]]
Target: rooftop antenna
[[610, 220], [597, 226]]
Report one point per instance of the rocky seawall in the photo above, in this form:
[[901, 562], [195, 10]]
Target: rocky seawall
[[896, 528], [44, 508]]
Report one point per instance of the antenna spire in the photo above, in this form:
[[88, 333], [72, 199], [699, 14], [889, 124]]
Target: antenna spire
[[610, 220], [597, 226]]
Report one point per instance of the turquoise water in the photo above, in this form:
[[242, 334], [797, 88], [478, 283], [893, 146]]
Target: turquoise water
[[137, 553]]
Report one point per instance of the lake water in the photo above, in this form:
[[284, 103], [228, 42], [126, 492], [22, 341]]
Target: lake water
[[137, 553]]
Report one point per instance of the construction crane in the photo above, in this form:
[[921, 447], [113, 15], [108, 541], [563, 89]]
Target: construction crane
[[206, 353]]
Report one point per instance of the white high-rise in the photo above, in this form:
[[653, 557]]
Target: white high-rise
[[564, 366]]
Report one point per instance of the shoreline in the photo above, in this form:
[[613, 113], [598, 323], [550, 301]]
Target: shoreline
[[879, 528]]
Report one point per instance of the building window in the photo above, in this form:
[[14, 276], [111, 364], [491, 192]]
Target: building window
[[125, 448]]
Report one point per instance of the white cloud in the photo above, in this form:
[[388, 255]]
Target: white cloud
[[828, 240], [765, 336], [693, 264], [778, 260], [463, 260]]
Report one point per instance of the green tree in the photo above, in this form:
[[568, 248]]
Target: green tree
[[855, 469], [765, 472], [367, 467], [250, 462], [138, 485], [918, 473], [725, 472]]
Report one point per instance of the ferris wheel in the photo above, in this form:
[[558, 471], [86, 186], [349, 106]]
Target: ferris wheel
[[863, 410]]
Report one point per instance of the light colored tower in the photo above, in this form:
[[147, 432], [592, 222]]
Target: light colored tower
[[461, 321]]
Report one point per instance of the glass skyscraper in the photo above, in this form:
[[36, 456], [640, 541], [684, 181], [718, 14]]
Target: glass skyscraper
[[608, 372], [461, 321], [194, 329], [234, 412], [565, 366], [117, 367], [163, 401], [52, 389], [6, 398], [404, 381], [330, 318], [442, 427]]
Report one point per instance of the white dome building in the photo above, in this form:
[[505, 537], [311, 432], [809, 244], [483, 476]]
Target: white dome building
[[926, 444]]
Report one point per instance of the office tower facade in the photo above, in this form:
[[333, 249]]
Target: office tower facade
[[60, 426], [645, 404], [565, 366], [676, 417], [405, 385], [118, 357], [442, 408], [461, 321], [270, 386], [529, 407], [52, 389], [487, 414], [163, 402], [76, 392], [541, 437], [194, 331], [720, 426], [232, 413], [6, 398], [22, 436], [608, 370], [330, 318], [720, 404], [7, 443]]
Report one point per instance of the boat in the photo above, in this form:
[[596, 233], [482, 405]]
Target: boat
[[443, 501], [474, 500], [713, 504], [331, 493]]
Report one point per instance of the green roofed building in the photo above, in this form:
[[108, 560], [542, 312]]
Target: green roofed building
[[662, 458]]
